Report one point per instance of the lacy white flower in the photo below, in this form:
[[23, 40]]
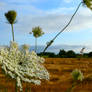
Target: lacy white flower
[[23, 65]]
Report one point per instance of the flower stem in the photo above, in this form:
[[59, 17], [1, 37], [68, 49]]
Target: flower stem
[[50, 43], [35, 44], [12, 32], [16, 86]]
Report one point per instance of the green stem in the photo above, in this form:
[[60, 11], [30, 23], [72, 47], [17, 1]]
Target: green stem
[[6, 90], [16, 86], [50, 43], [12, 32], [35, 44], [30, 90], [70, 89], [26, 90]]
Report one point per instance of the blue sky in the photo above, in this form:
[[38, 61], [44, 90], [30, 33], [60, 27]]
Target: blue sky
[[51, 16]]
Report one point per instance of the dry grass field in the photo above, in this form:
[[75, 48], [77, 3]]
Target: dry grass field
[[60, 76]]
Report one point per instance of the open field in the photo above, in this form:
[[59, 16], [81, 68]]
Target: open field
[[60, 76]]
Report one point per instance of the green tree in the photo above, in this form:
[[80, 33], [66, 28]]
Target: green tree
[[62, 53], [11, 17], [90, 54], [37, 32], [71, 54]]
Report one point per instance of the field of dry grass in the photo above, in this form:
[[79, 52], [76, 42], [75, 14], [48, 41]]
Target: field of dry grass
[[60, 76]]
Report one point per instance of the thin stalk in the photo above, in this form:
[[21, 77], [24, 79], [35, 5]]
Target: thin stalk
[[63, 28], [6, 90], [26, 90], [70, 89], [30, 90], [35, 44], [16, 89], [12, 32]]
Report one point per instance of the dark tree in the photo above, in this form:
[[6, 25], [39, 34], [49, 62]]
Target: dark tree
[[48, 54], [70, 54], [90, 54], [62, 53]]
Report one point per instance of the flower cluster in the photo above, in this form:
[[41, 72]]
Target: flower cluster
[[23, 65]]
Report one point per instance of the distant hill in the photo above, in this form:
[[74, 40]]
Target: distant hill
[[3, 46], [56, 48]]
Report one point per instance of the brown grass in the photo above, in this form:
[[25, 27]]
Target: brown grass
[[60, 76]]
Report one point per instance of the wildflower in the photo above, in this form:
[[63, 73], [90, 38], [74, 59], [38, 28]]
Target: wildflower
[[23, 66]]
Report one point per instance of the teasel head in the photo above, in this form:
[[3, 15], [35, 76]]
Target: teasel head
[[88, 3]]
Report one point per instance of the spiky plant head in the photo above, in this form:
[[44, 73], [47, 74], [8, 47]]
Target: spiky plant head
[[25, 47], [88, 3], [37, 32], [11, 16]]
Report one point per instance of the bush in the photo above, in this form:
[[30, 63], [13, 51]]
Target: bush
[[70, 54]]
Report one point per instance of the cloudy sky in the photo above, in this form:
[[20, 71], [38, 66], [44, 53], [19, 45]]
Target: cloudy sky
[[51, 16]]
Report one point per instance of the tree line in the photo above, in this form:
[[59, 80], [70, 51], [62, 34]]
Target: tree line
[[66, 54]]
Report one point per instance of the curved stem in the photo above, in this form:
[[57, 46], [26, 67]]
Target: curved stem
[[12, 32], [63, 28]]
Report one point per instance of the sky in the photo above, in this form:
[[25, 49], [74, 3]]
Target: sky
[[51, 16]]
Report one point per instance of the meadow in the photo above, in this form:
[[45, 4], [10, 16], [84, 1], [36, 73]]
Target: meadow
[[60, 76]]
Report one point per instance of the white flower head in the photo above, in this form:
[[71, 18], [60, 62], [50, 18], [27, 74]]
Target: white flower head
[[22, 66], [25, 47], [13, 45]]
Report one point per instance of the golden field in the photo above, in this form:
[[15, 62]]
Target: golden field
[[60, 76]]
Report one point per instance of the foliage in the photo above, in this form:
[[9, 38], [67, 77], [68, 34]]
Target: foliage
[[65, 54], [62, 53], [90, 54], [70, 54], [47, 54], [22, 66]]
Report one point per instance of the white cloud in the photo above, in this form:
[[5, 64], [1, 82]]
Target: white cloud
[[52, 20], [60, 10], [55, 22]]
